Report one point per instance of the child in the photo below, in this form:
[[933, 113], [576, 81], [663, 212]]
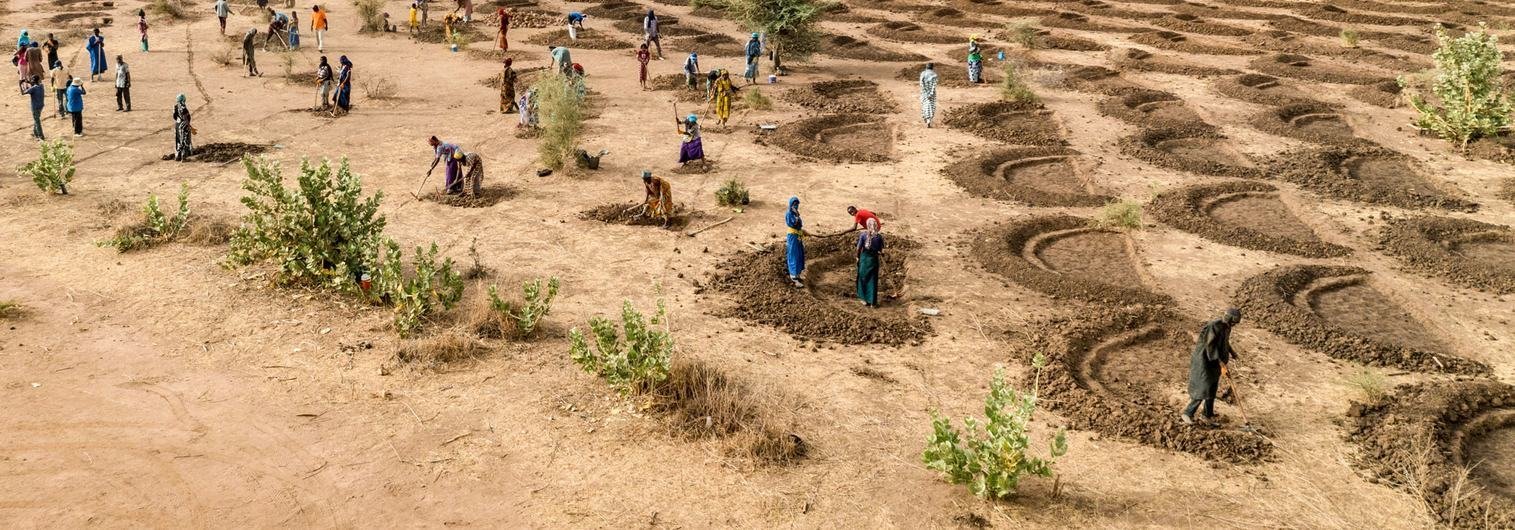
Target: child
[[642, 57], [415, 19], [142, 27], [294, 30], [389, 28]]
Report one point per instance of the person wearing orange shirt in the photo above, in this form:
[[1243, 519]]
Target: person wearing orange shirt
[[318, 26]]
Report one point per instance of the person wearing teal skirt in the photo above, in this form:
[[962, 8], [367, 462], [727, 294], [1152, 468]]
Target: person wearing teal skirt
[[870, 258]]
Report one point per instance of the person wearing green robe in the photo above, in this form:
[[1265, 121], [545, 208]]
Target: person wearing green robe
[[1212, 353], [870, 258]]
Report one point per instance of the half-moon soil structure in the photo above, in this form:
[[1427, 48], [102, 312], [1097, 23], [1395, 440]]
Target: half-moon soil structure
[[1064, 256], [1246, 214], [1036, 176], [1463, 252]]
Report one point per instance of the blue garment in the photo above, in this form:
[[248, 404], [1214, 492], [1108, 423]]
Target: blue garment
[[96, 47], [576, 17], [344, 84], [39, 96], [794, 254], [75, 97], [294, 37], [754, 49]]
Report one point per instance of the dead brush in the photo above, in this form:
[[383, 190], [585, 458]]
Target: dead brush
[[704, 401], [438, 349], [227, 55], [378, 88]]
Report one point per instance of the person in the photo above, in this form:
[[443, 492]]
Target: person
[[387, 26], [247, 52], [60, 79], [692, 148], [691, 69], [467, 7], [50, 47], [501, 41], [277, 24], [294, 30], [425, 11], [414, 21], [870, 259], [721, 94], [448, 21], [576, 80], [658, 201], [527, 106], [860, 218], [975, 61], [123, 86], [650, 32], [33, 88], [95, 46], [710, 77], [928, 94], [643, 56], [318, 26], [142, 27], [453, 155], [754, 53], [223, 10], [34, 65], [794, 247], [24, 39], [473, 182], [324, 80], [344, 84], [575, 23], [75, 98], [183, 132], [1209, 361], [562, 60], [508, 88], [19, 59]]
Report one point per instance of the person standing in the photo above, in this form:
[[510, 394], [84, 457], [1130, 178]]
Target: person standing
[[318, 26], [123, 86], [344, 84], [142, 27], [222, 11], [294, 30], [975, 61], [467, 7], [59, 80], [95, 46], [692, 69], [928, 94], [870, 259], [650, 32], [249, 45], [50, 47], [183, 132], [34, 66], [324, 78], [1208, 363], [721, 92], [33, 88], [794, 247], [501, 40], [754, 54], [527, 107], [643, 56], [508, 88], [413, 22], [75, 98]]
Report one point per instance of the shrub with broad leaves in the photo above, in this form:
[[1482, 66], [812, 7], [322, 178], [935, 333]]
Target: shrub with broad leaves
[[155, 228], [54, 169], [991, 457], [525, 317], [1468, 98], [634, 362]]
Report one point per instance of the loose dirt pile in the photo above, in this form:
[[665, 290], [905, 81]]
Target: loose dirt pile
[[488, 196], [838, 138], [1150, 109], [1063, 256], [676, 83], [1302, 67], [1260, 89], [846, 47], [625, 213], [1099, 80], [949, 76], [1188, 23], [1461, 251], [436, 34], [842, 96], [615, 10], [711, 45], [1336, 311], [1168, 40], [1241, 213], [1121, 372], [86, 19], [1081, 22], [1036, 176], [1196, 148], [1289, 43], [1425, 437], [1419, 44], [1307, 27], [588, 40], [953, 18], [1336, 14], [1311, 122], [528, 19], [1000, 8], [1383, 94], [1141, 61], [1013, 122], [1205, 11], [1371, 175], [1103, 9], [224, 152], [899, 30], [828, 308]]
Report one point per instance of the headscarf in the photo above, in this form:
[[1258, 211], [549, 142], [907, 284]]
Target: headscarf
[[344, 61], [508, 62], [24, 40], [646, 174], [179, 100], [692, 119], [754, 36], [500, 12], [1232, 316], [652, 15], [871, 236], [323, 61], [792, 215]]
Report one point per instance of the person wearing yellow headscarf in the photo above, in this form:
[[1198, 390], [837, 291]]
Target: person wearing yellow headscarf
[[723, 91], [975, 61]]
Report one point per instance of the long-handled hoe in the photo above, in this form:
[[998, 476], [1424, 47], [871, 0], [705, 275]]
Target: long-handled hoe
[[1246, 426]]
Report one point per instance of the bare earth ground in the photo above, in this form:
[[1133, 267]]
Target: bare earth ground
[[160, 389]]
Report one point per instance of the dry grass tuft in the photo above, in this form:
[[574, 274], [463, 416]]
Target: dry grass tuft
[[10, 309], [441, 348], [704, 401], [378, 88], [1371, 384]]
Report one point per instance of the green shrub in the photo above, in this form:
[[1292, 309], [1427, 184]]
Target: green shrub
[[536, 304], [755, 99], [1349, 37], [990, 458], [371, 14], [1120, 214], [322, 232], [155, 228], [1021, 32], [1469, 100], [562, 116], [430, 288], [732, 193], [53, 169], [1013, 88], [634, 364], [790, 25]]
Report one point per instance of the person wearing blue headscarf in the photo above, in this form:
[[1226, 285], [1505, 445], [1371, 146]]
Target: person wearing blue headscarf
[[344, 84], [24, 40], [96, 47], [754, 52], [692, 69], [794, 247], [183, 132], [692, 148]]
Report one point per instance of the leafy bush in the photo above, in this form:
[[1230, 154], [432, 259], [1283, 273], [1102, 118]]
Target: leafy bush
[[1021, 32], [536, 304], [1013, 88], [732, 193], [1120, 214], [790, 25], [431, 287], [1349, 37], [1469, 100], [371, 13], [155, 228], [562, 114], [755, 99], [991, 460], [53, 169], [323, 232], [636, 363]]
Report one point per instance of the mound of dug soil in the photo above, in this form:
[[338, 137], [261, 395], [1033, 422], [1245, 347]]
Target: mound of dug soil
[[1063, 256], [828, 308], [1311, 122], [845, 47], [80, 19], [901, 31], [1307, 27], [1206, 11], [839, 12], [1081, 22], [625, 213], [1013, 122], [1430, 434], [616, 10], [1260, 89], [488, 196], [842, 96], [675, 83], [1336, 14], [1301, 67], [1371, 175], [1000, 8], [1336, 310], [588, 40], [711, 44], [1241, 213], [1173, 41], [1141, 61], [1383, 94], [1461, 251], [949, 76], [1121, 372], [224, 152], [953, 18], [1197, 149], [1037, 176], [1104, 9], [1099, 80], [1151, 108], [1418, 44], [838, 138], [1290, 43], [1188, 23]]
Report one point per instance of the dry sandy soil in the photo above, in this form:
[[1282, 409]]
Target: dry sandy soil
[[161, 389]]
